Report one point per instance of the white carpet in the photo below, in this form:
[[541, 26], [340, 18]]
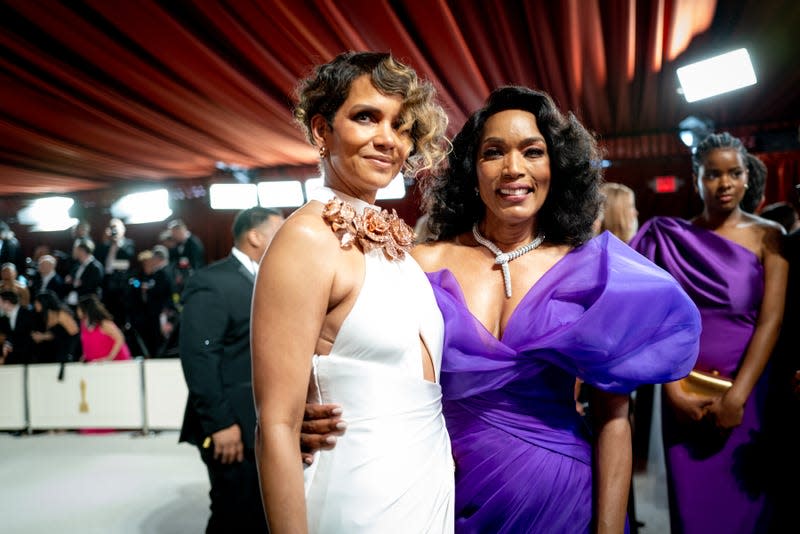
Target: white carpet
[[125, 483], [118, 483]]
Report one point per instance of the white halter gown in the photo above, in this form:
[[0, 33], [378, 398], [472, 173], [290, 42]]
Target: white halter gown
[[392, 471]]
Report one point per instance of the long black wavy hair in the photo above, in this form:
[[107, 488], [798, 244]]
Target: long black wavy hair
[[574, 199]]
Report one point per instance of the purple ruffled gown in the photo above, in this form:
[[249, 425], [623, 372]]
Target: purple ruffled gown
[[523, 456], [714, 481]]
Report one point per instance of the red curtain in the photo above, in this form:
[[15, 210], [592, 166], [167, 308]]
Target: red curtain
[[94, 93]]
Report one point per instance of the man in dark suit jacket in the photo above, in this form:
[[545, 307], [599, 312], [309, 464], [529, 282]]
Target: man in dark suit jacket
[[214, 345], [47, 278], [87, 274], [116, 254], [16, 324], [10, 249], [151, 300], [186, 256]]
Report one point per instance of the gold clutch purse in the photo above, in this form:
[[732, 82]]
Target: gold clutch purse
[[706, 384]]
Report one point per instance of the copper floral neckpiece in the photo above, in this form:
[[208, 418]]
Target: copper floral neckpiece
[[372, 229]]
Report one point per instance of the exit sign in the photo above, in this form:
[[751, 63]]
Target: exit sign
[[666, 184]]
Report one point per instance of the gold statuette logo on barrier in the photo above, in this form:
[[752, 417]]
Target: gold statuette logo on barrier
[[84, 406]]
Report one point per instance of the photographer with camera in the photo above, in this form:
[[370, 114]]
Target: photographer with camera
[[116, 253]]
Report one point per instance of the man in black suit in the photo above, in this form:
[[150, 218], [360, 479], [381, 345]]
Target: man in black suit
[[215, 354], [16, 324], [46, 277], [87, 274], [10, 249], [187, 255], [152, 305], [116, 253]]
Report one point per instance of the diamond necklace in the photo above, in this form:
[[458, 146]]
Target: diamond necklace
[[502, 258]]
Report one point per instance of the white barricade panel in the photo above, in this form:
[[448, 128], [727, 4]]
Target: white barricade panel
[[165, 394], [97, 395], [12, 397]]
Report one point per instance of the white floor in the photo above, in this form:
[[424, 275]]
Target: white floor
[[650, 486], [124, 483], [118, 483]]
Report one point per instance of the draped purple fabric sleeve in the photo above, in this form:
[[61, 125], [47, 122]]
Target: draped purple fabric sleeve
[[603, 313]]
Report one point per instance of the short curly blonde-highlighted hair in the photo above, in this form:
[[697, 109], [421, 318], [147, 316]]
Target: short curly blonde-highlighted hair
[[326, 89]]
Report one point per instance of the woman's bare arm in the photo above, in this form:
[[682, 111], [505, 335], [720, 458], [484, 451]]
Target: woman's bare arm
[[290, 303], [730, 409], [613, 458]]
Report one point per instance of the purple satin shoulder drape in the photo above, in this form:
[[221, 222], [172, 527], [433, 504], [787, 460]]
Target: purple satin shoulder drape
[[523, 458], [713, 479]]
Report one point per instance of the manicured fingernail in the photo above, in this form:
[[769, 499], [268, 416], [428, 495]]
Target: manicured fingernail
[[307, 461], [341, 425], [336, 411], [330, 440]]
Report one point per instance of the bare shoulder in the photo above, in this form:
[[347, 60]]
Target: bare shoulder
[[432, 256], [763, 236], [764, 225], [305, 231], [767, 231]]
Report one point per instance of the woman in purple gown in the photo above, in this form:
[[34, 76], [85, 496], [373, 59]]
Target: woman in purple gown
[[729, 263], [523, 180]]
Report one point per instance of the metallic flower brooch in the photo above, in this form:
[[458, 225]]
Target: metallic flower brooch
[[372, 229]]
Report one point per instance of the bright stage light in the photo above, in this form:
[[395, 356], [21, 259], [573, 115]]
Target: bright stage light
[[233, 196], [717, 75], [50, 214], [138, 208], [285, 194]]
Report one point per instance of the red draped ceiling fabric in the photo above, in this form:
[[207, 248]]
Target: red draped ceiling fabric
[[96, 93]]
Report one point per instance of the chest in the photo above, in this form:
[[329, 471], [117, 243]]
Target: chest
[[483, 284]]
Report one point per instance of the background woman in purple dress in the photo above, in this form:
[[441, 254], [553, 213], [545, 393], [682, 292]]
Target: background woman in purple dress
[[730, 263]]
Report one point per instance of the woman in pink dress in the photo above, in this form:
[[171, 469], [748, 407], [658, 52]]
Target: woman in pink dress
[[102, 340]]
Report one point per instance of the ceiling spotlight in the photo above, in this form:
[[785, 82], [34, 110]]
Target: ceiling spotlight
[[717, 75], [694, 129]]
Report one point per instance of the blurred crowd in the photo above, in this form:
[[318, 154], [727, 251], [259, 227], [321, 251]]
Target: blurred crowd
[[138, 290]]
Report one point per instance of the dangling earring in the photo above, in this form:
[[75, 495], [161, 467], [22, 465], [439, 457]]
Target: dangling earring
[[322, 152]]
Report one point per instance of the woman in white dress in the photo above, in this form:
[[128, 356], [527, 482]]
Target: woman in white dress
[[339, 300]]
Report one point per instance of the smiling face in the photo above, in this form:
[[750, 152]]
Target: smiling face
[[367, 143], [722, 180], [513, 167]]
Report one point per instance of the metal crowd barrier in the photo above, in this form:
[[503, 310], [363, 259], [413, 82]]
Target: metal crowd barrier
[[132, 395]]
